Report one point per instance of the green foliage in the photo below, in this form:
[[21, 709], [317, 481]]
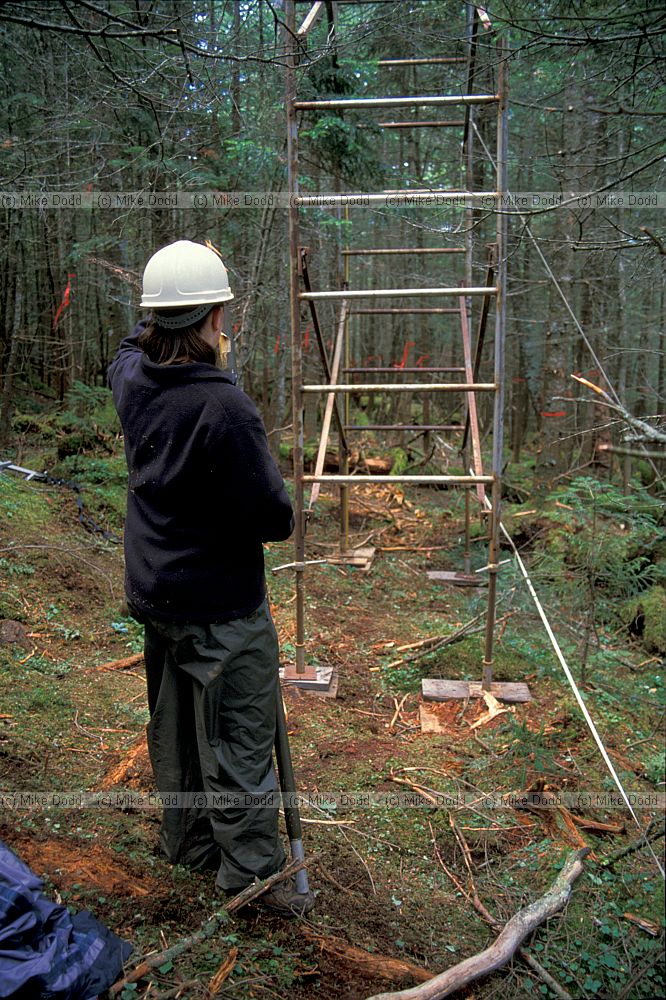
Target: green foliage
[[38, 425], [131, 628], [612, 957], [342, 147], [23, 506], [645, 617], [607, 544], [12, 568], [88, 420], [93, 470], [655, 768], [400, 461], [49, 668]]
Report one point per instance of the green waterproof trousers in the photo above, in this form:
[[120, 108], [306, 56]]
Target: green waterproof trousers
[[212, 697]]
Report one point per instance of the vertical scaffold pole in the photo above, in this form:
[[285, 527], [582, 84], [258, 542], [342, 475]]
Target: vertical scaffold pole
[[291, 53], [500, 330], [343, 451], [468, 152]]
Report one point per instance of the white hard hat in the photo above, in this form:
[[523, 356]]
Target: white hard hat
[[185, 274]]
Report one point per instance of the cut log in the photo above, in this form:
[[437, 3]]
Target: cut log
[[504, 946], [373, 966]]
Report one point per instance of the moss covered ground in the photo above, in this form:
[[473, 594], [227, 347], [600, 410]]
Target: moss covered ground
[[383, 873]]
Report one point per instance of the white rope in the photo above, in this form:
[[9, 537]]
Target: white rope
[[574, 686], [521, 565], [552, 277]]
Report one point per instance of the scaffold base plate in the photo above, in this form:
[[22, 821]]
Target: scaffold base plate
[[457, 579], [320, 680], [440, 690]]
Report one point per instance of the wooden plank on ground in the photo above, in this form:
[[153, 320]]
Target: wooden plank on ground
[[456, 579], [442, 690], [361, 557]]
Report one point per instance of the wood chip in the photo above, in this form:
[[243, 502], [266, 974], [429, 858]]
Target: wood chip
[[225, 969], [645, 925]]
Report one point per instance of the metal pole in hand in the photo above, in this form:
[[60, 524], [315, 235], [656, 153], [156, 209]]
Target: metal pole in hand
[[288, 785]]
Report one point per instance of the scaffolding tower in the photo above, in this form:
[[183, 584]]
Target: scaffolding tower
[[340, 376]]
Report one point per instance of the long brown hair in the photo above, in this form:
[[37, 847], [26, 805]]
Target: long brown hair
[[176, 347]]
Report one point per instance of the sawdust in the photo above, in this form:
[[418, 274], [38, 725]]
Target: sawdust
[[133, 770], [67, 863]]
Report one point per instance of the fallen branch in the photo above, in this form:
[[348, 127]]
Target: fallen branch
[[574, 832], [374, 966], [124, 664], [398, 710], [642, 429], [473, 897], [592, 824], [436, 642], [651, 833], [504, 946], [174, 992], [417, 788], [208, 928]]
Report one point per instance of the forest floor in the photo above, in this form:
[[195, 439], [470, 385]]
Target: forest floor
[[382, 887]]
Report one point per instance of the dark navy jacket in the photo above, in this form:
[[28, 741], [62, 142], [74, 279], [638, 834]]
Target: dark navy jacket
[[204, 491]]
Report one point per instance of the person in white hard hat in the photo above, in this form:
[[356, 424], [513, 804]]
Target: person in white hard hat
[[204, 493]]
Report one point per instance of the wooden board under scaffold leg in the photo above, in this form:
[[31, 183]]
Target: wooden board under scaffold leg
[[321, 680], [362, 558], [438, 691]]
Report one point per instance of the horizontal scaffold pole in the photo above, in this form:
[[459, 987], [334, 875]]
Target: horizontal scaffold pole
[[398, 197], [435, 60], [435, 310], [396, 293], [403, 427], [362, 387], [419, 123], [399, 250], [397, 370], [434, 100], [359, 480]]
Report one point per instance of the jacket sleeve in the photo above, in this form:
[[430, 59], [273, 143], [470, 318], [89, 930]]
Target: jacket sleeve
[[259, 497], [128, 353]]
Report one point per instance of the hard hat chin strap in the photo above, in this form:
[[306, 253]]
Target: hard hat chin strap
[[183, 320]]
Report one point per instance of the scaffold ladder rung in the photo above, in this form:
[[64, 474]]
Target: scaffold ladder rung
[[363, 387], [400, 250], [433, 100], [421, 311], [360, 479], [419, 123], [404, 427], [434, 61], [397, 370], [396, 293]]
